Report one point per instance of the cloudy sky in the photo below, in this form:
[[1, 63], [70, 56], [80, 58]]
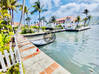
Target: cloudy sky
[[62, 8]]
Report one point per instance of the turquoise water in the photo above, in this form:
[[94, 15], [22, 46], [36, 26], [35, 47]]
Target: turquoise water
[[78, 52]]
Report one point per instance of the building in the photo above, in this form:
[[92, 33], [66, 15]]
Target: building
[[17, 24], [67, 19]]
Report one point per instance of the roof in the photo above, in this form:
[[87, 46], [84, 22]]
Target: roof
[[16, 24], [64, 18], [61, 19]]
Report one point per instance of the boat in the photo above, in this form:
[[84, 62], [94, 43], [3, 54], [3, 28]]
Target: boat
[[47, 39], [41, 42]]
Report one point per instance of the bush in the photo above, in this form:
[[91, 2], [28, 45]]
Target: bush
[[26, 30], [59, 26], [4, 41], [14, 69], [35, 27], [43, 28]]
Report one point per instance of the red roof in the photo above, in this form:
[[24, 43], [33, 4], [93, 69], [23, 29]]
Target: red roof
[[64, 18], [16, 24]]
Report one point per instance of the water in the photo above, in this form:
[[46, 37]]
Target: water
[[78, 52]]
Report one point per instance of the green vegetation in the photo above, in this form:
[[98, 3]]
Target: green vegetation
[[59, 26], [43, 28], [35, 27], [52, 19], [86, 20], [38, 8], [13, 70], [6, 31], [26, 30]]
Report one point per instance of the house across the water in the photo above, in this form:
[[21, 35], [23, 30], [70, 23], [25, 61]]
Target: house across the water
[[67, 19]]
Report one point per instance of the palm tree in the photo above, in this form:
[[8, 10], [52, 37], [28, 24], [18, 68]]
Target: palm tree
[[22, 14], [26, 11], [89, 18], [9, 5], [53, 19], [78, 20], [86, 11], [85, 20], [13, 5], [38, 8], [28, 20], [43, 19]]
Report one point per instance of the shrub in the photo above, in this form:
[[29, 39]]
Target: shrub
[[26, 30], [43, 28], [35, 27], [14, 69], [59, 26], [5, 38]]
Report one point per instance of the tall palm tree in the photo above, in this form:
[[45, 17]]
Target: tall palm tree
[[26, 11], [38, 8], [9, 5], [86, 11], [89, 18], [78, 20], [53, 19], [43, 19], [28, 20], [13, 6], [22, 14], [85, 20]]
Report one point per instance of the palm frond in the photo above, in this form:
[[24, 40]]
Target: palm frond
[[14, 2], [33, 11]]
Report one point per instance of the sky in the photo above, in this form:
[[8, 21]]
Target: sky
[[62, 8]]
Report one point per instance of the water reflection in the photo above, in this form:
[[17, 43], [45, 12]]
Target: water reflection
[[78, 52]]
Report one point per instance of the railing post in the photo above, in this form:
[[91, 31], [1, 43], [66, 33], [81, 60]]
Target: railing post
[[19, 56], [6, 54], [12, 54], [2, 62]]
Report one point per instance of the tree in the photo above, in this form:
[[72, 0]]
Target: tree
[[26, 11], [22, 13], [89, 18], [43, 19], [78, 20], [28, 20], [9, 5], [38, 8], [53, 19], [86, 11], [13, 5], [85, 20]]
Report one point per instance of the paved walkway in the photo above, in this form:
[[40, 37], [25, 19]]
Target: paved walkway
[[37, 62]]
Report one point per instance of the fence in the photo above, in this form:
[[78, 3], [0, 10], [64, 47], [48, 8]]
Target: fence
[[8, 59]]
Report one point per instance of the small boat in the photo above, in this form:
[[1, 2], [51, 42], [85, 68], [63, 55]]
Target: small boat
[[47, 39], [41, 42]]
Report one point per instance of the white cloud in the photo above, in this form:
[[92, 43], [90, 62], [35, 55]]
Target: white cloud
[[69, 9], [48, 3], [57, 2], [74, 9]]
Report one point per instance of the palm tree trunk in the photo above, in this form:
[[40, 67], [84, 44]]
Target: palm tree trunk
[[88, 21], [84, 23], [22, 14], [39, 19], [12, 17]]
